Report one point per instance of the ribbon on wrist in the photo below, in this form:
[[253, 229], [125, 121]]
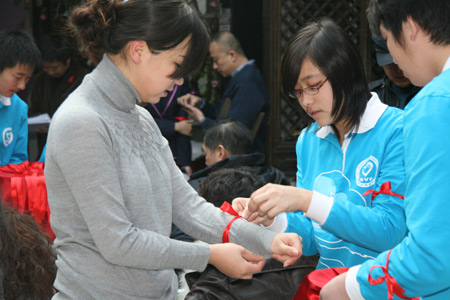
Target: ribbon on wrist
[[226, 207]]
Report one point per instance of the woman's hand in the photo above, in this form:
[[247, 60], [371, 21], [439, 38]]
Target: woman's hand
[[287, 248], [335, 289], [235, 261], [272, 199], [184, 127], [240, 206]]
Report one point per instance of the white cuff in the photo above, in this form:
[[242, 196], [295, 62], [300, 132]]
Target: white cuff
[[279, 223], [352, 285], [320, 207]]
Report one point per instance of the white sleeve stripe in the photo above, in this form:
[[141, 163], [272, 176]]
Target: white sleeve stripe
[[320, 207], [352, 285]]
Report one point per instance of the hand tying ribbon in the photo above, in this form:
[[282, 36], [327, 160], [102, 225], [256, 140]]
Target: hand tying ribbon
[[392, 285], [226, 207], [385, 188]]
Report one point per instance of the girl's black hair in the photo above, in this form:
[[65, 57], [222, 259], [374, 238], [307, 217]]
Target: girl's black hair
[[334, 54]]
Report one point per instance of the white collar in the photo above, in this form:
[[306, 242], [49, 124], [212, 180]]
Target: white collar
[[374, 109], [5, 100], [447, 65]]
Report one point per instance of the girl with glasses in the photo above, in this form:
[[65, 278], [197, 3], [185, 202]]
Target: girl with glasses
[[347, 205]]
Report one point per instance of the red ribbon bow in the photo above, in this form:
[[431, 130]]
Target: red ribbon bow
[[385, 188], [226, 207], [392, 285], [70, 80]]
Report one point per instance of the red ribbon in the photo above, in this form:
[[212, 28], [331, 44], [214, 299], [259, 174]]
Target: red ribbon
[[70, 80], [226, 207], [392, 285], [179, 119], [385, 188]]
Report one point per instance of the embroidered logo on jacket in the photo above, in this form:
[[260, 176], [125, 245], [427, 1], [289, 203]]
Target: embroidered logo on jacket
[[8, 136], [366, 172]]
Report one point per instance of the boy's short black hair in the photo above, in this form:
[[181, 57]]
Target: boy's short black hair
[[431, 16], [18, 47], [223, 185]]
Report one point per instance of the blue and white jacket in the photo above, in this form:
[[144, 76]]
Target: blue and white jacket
[[13, 130], [420, 264], [344, 226]]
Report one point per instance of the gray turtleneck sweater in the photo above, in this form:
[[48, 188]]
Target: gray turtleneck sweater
[[114, 191]]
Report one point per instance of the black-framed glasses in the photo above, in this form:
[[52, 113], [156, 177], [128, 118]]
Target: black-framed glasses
[[310, 91]]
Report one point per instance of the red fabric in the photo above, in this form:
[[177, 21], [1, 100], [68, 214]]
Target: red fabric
[[392, 285], [23, 187], [385, 188], [226, 207], [311, 285]]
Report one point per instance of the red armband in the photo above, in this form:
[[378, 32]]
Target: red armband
[[385, 188], [226, 207]]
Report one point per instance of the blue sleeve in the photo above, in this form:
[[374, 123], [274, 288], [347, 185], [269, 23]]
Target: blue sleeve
[[381, 225], [420, 263], [302, 226], [20, 151], [297, 222]]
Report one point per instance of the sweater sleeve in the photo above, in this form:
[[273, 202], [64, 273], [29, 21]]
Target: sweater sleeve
[[420, 262]]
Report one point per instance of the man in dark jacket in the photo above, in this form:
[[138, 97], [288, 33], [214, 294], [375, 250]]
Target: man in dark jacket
[[60, 76], [394, 88], [245, 88]]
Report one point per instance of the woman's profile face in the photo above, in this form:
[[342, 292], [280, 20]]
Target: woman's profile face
[[152, 77], [319, 106]]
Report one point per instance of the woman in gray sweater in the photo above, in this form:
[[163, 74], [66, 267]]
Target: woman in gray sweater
[[113, 187]]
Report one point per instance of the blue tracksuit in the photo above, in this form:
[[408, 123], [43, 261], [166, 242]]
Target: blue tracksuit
[[14, 131], [356, 228], [421, 262]]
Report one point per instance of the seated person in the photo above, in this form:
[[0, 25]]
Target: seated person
[[174, 125], [394, 88], [245, 88], [61, 74], [19, 56], [27, 260], [228, 144]]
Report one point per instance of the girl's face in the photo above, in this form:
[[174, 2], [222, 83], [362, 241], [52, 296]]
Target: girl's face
[[152, 78], [319, 106]]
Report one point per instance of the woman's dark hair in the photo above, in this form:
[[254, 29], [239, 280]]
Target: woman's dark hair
[[431, 16], [27, 259], [332, 51], [233, 135], [106, 26], [223, 185]]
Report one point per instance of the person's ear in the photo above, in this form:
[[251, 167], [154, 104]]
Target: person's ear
[[136, 51], [233, 55], [412, 29], [222, 152], [68, 61]]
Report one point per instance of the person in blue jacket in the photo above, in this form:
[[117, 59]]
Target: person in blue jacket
[[418, 37], [19, 56], [350, 152], [245, 88]]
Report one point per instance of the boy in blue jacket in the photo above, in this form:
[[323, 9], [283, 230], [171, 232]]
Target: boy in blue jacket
[[418, 37], [19, 56]]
